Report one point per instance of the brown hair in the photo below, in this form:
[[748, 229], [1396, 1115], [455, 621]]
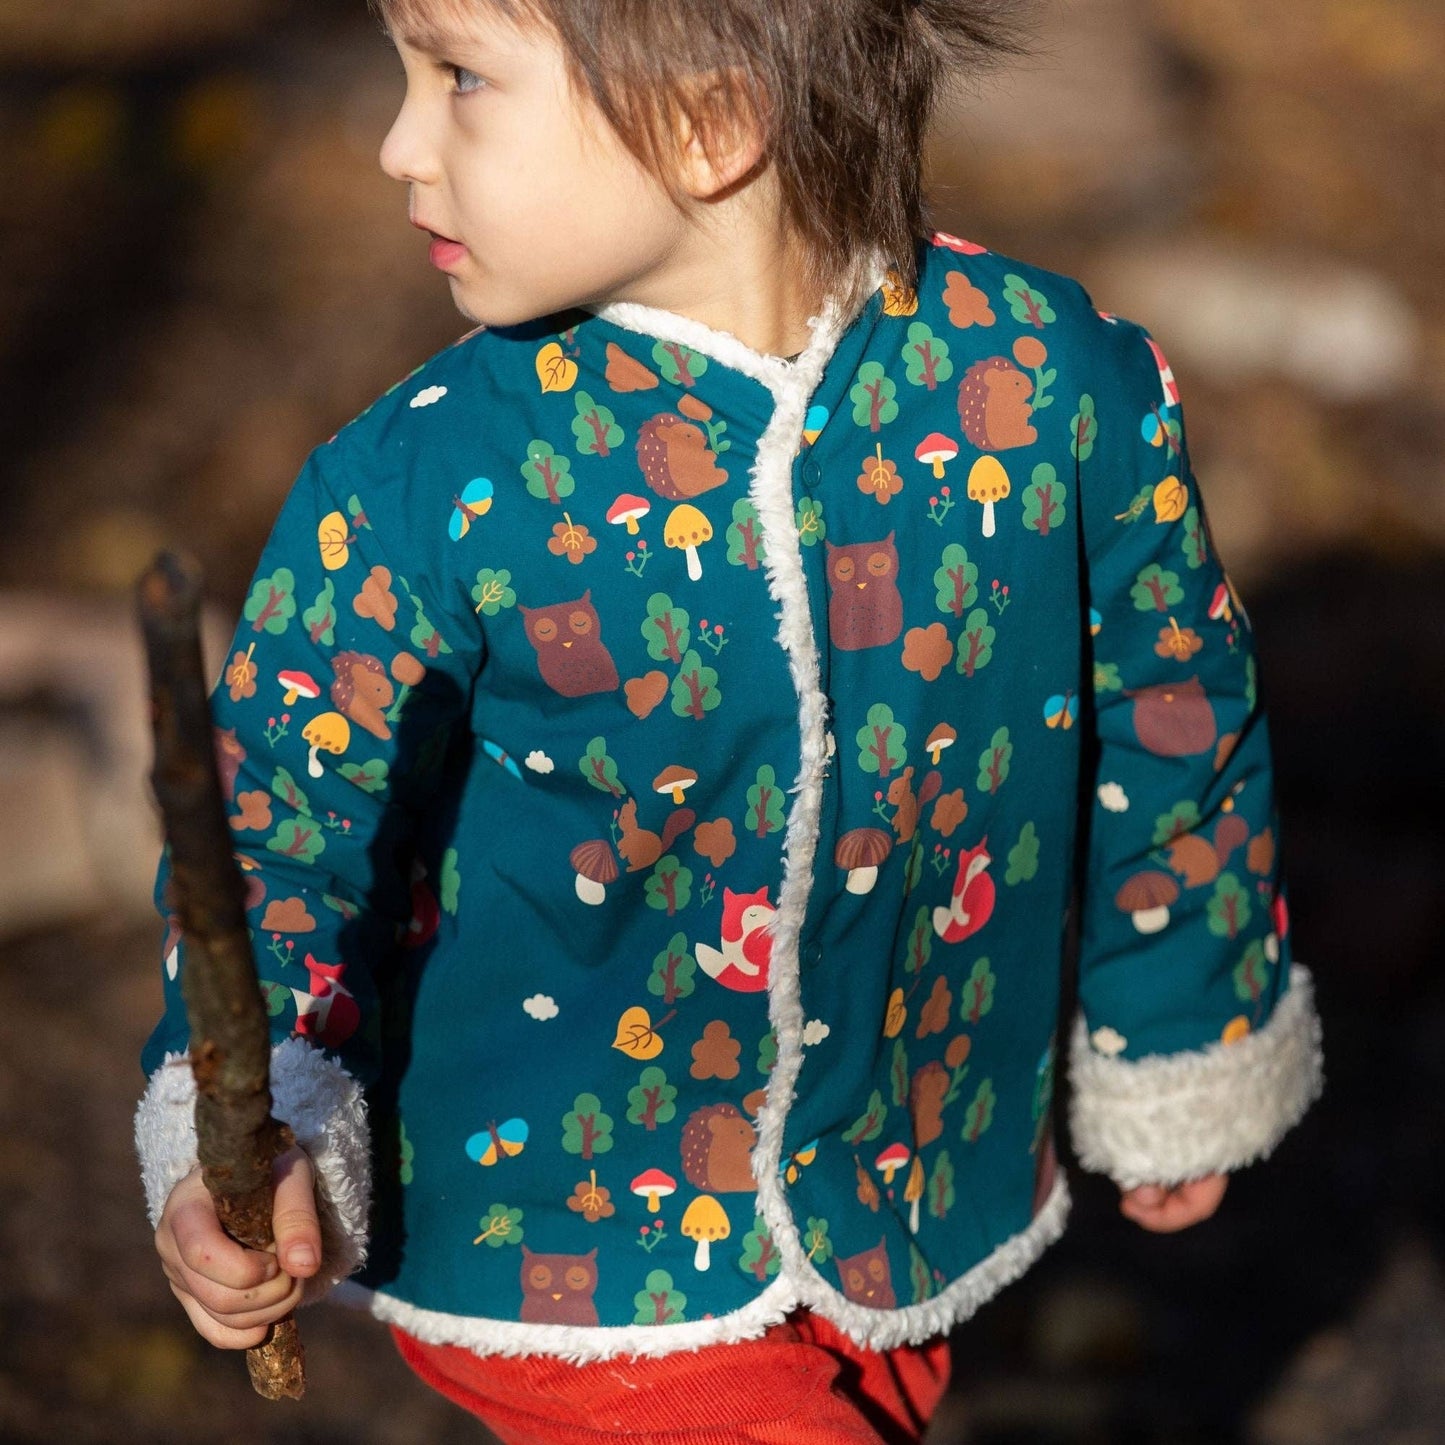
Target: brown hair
[[843, 91]]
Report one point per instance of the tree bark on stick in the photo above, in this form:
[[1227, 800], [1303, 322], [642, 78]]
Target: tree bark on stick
[[237, 1138]]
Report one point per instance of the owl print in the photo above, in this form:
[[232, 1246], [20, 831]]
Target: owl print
[[571, 655], [865, 608], [867, 1279], [558, 1289]]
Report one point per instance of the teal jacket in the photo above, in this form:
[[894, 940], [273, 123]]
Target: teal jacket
[[660, 771]]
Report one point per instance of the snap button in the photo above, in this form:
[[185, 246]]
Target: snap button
[[812, 472]]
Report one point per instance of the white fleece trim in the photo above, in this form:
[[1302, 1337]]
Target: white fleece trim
[[326, 1110], [1171, 1117], [880, 1329]]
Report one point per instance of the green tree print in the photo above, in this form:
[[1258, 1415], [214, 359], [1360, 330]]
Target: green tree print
[[993, 762], [272, 603], [1182, 818], [1228, 911], [679, 364], [600, 768], [881, 741], [1023, 857], [940, 1193], [1044, 500], [956, 579], [370, 777], [1156, 590], [320, 618], [298, 838], [869, 1124], [669, 885], [694, 689], [745, 536], [673, 971], [665, 629], [760, 1257], [586, 1130], [1083, 429], [284, 786], [976, 997], [651, 1100], [873, 397], [765, 803], [979, 1114], [548, 475], [1027, 304], [925, 357], [975, 647], [657, 1302], [1195, 541], [595, 427]]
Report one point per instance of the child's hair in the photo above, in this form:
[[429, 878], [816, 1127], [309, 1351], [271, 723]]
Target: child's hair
[[843, 90]]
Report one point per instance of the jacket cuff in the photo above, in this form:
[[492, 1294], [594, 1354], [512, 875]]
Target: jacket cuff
[[1172, 1117], [326, 1110]]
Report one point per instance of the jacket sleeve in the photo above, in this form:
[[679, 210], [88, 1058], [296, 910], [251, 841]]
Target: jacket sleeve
[[1196, 1045], [349, 672]]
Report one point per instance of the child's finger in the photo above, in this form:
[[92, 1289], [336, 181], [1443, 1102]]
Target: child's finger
[[204, 1249], [272, 1297], [293, 1215], [222, 1336]]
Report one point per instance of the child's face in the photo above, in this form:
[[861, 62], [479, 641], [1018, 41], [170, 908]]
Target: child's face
[[499, 155]]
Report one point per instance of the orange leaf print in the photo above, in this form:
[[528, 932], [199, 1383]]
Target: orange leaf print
[[241, 675], [637, 1035], [571, 539], [879, 478]]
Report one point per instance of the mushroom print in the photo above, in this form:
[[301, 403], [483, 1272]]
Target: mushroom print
[[653, 1185], [935, 449], [687, 529], [913, 1192], [595, 865], [328, 731], [860, 851], [705, 1221], [1146, 898], [891, 1160], [628, 509], [674, 780], [988, 483], [941, 737], [297, 684]]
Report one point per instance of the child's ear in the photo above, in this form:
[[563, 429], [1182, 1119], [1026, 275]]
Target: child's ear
[[721, 142]]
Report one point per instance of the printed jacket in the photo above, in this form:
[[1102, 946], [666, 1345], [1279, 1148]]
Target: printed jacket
[[659, 771]]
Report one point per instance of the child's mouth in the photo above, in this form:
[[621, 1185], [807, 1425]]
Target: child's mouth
[[444, 251]]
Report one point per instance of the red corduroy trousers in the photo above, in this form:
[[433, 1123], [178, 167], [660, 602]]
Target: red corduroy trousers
[[801, 1383]]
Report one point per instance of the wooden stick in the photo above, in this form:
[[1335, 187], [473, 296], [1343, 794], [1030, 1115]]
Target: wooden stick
[[237, 1138]]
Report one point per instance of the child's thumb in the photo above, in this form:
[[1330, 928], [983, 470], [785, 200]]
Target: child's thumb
[[293, 1214]]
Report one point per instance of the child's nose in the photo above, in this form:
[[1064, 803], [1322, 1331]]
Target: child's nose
[[405, 153]]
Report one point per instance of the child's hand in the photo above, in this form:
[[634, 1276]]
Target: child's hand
[[1164, 1209], [231, 1293]]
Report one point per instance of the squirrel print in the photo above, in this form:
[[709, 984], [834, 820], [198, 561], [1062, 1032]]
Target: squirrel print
[[747, 946], [973, 896], [642, 847]]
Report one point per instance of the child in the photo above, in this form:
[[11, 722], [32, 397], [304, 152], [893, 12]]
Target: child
[[659, 738]]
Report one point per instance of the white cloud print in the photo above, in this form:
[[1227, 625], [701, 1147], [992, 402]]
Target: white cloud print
[[815, 1031], [540, 1006], [428, 395], [538, 761], [1113, 797]]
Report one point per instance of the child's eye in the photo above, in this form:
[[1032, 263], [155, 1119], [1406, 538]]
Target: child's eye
[[462, 76]]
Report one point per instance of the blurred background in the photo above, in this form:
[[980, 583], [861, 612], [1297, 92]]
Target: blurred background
[[203, 273]]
